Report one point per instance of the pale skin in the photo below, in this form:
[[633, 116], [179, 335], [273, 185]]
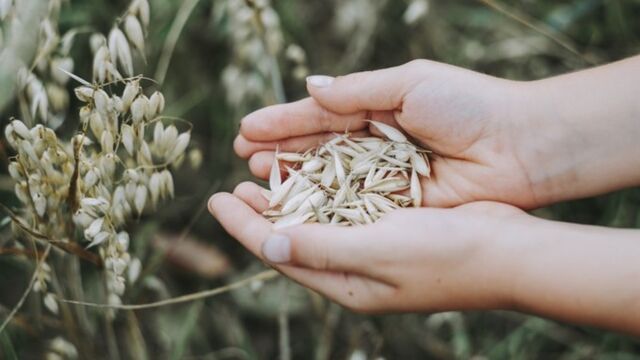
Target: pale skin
[[501, 146]]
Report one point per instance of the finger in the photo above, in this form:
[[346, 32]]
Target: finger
[[250, 228], [261, 155], [303, 117], [369, 90], [252, 194], [322, 247], [245, 148], [240, 221], [260, 164]]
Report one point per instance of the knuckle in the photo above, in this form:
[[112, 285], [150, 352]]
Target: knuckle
[[321, 257], [417, 64], [324, 120], [306, 251]]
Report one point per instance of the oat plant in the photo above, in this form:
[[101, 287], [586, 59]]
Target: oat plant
[[78, 194]]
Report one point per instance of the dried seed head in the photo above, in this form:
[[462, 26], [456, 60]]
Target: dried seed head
[[99, 239], [167, 182], [45, 167], [123, 240], [140, 198], [93, 229], [120, 51], [133, 29], [389, 132], [96, 124], [91, 178], [275, 178], [20, 129], [139, 109], [96, 41], [180, 145], [141, 9], [84, 93], [101, 101], [40, 203], [134, 270], [128, 138], [131, 91], [58, 68], [155, 185], [156, 103], [51, 303]]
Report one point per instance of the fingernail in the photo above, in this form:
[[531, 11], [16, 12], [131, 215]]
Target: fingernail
[[320, 81], [210, 203], [277, 249]]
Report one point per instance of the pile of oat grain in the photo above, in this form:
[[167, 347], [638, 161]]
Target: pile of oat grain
[[347, 181]]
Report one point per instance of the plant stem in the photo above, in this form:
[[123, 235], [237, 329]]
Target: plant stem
[[265, 275], [26, 292], [172, 39], [283, 322], [541, 28]]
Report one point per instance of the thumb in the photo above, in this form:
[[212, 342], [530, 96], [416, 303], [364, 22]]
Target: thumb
[[377, 90], [320, 247]]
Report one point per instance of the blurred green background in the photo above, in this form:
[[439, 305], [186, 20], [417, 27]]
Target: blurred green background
[[218, 71]]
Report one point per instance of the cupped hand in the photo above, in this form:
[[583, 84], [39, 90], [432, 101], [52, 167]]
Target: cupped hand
[[471, 121], [423, 259]]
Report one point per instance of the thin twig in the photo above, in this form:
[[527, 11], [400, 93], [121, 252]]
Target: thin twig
[[263, 276], [172, 39], [331, 319], [69, 247], [19, 251], [34, 277], [541, 28], [283, 323], [157, 260]]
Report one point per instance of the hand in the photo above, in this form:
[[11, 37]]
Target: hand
[[480, 255], [411, 260], [470, 120], [527, 144]]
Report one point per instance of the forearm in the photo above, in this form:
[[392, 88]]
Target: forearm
[[581, 274], [582, 132]]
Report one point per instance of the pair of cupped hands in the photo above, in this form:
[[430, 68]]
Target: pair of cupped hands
[[459, 251]]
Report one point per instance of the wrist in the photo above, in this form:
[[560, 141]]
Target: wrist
[[576, 273], [508, 248], [545, 143], [576, 134], [491, 268]]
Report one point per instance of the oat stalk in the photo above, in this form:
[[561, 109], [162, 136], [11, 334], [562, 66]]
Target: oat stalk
[[538, 27], [26, 292], [172, 38], [262, 276]]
